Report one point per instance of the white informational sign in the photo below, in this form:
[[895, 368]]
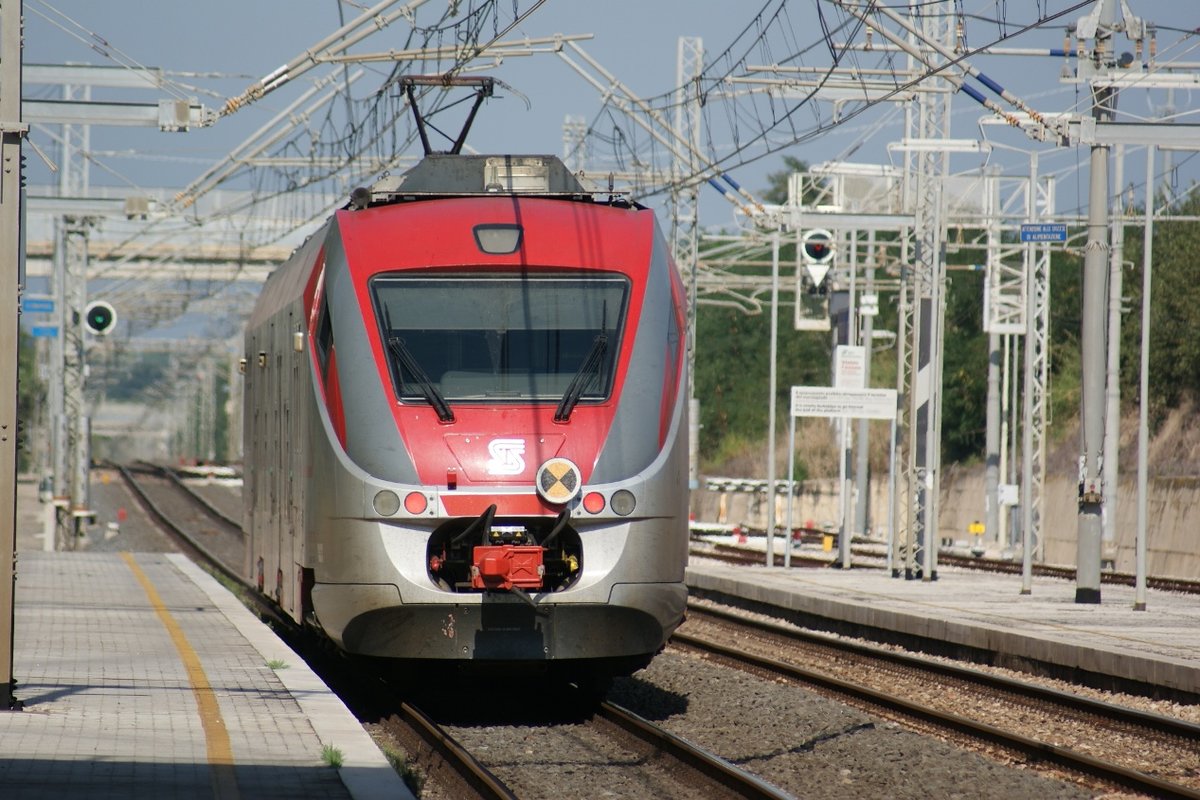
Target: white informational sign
[[850, 367], [825, 401]]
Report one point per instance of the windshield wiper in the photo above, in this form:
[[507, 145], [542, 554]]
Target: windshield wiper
[[432, 395], [588, 370]]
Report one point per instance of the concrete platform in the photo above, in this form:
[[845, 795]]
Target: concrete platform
[[143, 677], [1045, 631]]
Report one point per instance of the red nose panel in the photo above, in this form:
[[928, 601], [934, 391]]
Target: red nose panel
[[502, 458]]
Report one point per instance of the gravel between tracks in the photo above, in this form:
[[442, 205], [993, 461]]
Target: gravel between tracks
[[811, 746], [806, 744]]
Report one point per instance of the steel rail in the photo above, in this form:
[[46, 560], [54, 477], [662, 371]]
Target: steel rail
[[478, 777], [739, 555], [1163, 583], [732, 554], [212, 510], [474, 774], [181, 536], [1062, 756], [714, 768], [1110, 711]]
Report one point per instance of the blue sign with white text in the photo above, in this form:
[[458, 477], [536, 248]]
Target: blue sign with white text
[[1044, 232], [44, 331], [37, 305]]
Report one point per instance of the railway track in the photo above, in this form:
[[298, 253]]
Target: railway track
[[725, 778], [572, 747], [406, 723], [174, 508], [430, 743], [467, 762], [1113, 744], [208, 506], [734, 554]]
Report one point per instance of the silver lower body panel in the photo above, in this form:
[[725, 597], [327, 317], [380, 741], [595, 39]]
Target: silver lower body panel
[[500, 626]]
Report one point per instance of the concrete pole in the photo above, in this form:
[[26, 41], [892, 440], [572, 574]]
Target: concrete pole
[[991, 519], [74, 376], [862, 474], [844, 426], [1112, 393], [233, 406], [771, 400], [12, 129], [1139, 595], [1006, 533], [1089, 523], [791, 487], [58, 409]]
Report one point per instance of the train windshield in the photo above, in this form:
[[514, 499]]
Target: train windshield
[[497, 338]]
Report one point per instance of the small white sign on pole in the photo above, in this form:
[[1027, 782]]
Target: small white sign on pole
[[850, 367]]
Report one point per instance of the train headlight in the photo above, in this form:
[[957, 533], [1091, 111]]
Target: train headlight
[[415, 503], [623, 502], [386, 503], [498, 239], [593, 502]]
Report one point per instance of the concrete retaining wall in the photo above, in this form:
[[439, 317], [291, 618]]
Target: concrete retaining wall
[[1173, 509]]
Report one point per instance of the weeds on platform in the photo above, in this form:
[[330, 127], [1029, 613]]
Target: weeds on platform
[[332, 756]]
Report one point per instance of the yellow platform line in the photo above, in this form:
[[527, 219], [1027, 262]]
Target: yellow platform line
[[220, 751]]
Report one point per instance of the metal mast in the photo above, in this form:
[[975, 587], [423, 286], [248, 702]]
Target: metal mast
[[575, 154], [74, 238], [1039, 205], [929, 163]]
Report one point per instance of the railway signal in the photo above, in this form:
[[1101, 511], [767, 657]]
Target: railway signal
[[99, 317], [817, 249]]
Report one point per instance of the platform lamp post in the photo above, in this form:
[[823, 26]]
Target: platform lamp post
[[11, 132]]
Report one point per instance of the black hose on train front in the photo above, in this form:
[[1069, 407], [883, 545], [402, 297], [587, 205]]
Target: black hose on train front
[[559, 524], [484, 520]]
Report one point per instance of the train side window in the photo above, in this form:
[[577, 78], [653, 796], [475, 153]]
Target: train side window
[[324, 339]]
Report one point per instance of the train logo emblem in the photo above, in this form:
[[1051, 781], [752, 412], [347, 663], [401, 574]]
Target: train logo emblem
[[507, 457], [558, 481]]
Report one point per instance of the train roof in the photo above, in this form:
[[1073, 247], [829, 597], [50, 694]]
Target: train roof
[[455, 175]]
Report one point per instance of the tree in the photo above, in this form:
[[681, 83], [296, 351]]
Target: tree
[[31, 398], [1174, 313], [777, 182]]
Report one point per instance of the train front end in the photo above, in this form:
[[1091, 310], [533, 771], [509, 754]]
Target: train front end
[[502, 428]]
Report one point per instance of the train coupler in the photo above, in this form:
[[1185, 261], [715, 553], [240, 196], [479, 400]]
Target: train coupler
[[507, 566]]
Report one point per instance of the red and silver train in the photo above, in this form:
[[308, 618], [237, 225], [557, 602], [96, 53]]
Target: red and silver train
[[465, 423]]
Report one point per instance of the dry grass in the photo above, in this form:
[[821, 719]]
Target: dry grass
[[816, 452]]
